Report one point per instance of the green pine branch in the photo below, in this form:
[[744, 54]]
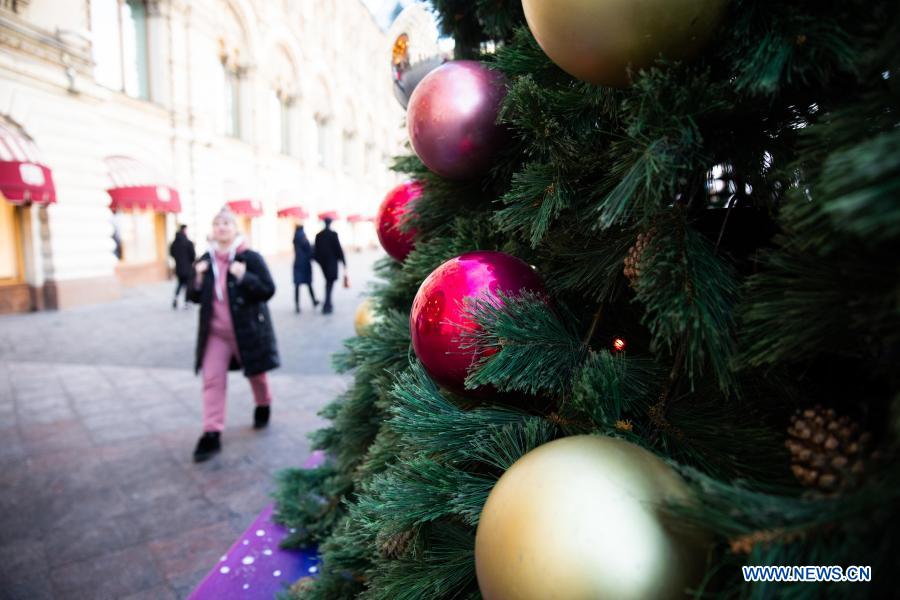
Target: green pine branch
[[523, 344], [429, 422], [688, 293]]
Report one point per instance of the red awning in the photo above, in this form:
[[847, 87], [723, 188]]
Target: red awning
[[329, 214], [137, 186], [293, 212], [23, 176], [359, 219], [246, 208]]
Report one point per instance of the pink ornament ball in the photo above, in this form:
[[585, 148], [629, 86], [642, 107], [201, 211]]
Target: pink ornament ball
[[437, 319], [452, 119], [393, 210]]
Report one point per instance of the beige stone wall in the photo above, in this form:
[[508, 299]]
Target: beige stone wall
[[330, 57]]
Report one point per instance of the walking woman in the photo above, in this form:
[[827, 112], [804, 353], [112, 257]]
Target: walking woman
[[232, 285], [302, 267]]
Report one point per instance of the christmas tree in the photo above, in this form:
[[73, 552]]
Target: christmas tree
[[712, 293]]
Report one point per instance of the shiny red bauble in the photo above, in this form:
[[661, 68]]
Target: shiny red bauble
[[393, 210], [438, 318], [452, 119]]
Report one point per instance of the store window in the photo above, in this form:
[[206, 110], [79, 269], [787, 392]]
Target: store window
[[138, 236], [245, 226], [119, 42], [10, 245]]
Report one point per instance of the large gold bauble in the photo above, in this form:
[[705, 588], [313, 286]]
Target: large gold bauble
[[597, 40], [364, 318], [579, 518]]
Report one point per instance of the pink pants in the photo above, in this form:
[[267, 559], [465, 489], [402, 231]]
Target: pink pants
[[216, 358]]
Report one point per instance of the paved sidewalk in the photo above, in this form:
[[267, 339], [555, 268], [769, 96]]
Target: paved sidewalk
[[99, 412]]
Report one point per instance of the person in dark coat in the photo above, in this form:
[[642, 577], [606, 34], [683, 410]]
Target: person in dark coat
[[302, 267], [328, 253], [182, 250], [232, 285], [117, 248]]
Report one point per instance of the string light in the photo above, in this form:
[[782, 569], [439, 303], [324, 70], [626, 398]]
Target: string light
[[619, 344]]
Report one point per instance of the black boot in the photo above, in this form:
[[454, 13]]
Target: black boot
[[208, 445], [261, 417]]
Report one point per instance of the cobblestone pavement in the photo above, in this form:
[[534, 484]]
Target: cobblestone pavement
[[99, 412]]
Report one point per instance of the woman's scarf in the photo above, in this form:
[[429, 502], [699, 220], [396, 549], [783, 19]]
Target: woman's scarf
[[232, 250]]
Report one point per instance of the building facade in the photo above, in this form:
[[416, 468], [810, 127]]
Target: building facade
[[151, 113]]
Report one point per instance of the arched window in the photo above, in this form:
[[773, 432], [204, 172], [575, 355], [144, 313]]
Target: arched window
[[231, 97], [348, 151], [323, 140], [233, 59], [284, 111], [349, 141], [279, 110], [324, 123], [119, 43], [370, 158], [281, 100]]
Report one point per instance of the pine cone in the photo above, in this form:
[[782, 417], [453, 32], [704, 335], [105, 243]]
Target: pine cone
[[302, 586], [635, 258], [828, 452], [396, 545], [744, 544]]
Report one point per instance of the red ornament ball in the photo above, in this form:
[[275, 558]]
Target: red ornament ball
[[452, 118], [438, 319], [394, 208], [619, 344]]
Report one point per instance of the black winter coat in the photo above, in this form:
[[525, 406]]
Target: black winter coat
[[328, 253], [249, 313], [182, 250], [302, 257]]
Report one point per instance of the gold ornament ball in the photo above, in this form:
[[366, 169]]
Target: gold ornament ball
[[597, 40], [580, 518], [365, 317]]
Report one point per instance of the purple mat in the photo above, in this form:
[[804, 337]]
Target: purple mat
[[254, 566]]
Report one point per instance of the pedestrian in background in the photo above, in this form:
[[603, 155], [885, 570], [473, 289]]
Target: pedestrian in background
[[182, 250], [302, 267], [328, 253], [117, 241], [232, 285]]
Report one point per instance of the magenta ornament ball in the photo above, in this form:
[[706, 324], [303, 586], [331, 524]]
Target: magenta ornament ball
[[452, 119], [394, 208], [437, 319]]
